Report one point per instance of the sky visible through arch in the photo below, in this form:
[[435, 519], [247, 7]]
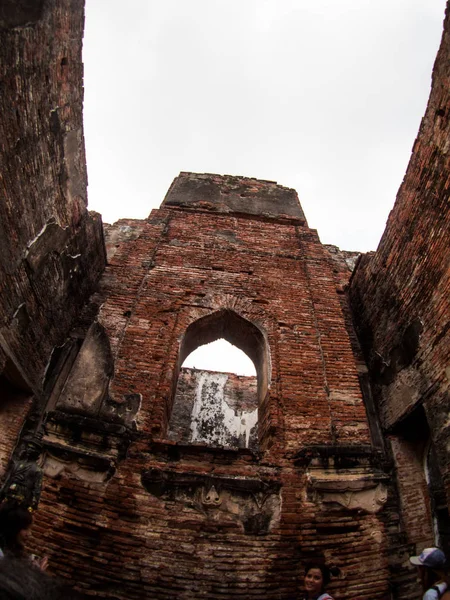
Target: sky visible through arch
[[325, 96], [220, 356]]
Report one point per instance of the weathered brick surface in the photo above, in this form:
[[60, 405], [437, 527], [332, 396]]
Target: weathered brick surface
[[414, 495], [13, 410], [264, 273], [127, 512], [121, 542], [191, 519], [400, 300], [51, 248]]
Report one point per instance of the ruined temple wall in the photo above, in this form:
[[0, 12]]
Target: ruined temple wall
[[126, 512], [400, 294], [119, 541], [277, 276], [141, 515], [51, 248]]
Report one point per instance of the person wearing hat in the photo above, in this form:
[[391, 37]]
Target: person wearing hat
[[431, 564]]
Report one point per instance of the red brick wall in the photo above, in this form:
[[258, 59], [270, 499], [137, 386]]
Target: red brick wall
[[142, 526], [400, 302], [118, 541], [51, 248], [133, 538], [276, 276], [413, 490], [14, 406], [400, 294]]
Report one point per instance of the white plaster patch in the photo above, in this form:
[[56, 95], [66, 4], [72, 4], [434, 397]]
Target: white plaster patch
[[213, 421]]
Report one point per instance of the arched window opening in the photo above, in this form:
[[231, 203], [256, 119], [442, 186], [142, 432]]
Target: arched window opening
[[216, 405]]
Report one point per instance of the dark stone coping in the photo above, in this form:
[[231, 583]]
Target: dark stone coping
[[176, 451], [76, 421], [234, 194], [158, 481], [276, 219], [90, 459], [344, 456]]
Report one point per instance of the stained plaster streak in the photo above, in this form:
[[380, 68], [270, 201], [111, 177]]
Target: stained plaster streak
[[213, 420]]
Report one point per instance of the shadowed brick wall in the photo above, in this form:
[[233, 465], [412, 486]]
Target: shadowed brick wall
[[400, 300], [51, 248]]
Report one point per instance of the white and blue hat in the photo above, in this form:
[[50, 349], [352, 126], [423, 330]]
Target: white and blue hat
[[430, 557]]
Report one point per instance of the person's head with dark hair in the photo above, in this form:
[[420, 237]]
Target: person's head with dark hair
[[15, 523], [317, 577], [20, 581]]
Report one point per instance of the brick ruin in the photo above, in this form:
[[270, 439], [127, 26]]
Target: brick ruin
[[162, 481], [400, 301]]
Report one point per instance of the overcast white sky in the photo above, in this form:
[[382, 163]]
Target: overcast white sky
[[325, 96]]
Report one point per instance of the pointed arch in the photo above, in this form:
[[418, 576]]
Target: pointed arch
[[240, 332], [243, 334]]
